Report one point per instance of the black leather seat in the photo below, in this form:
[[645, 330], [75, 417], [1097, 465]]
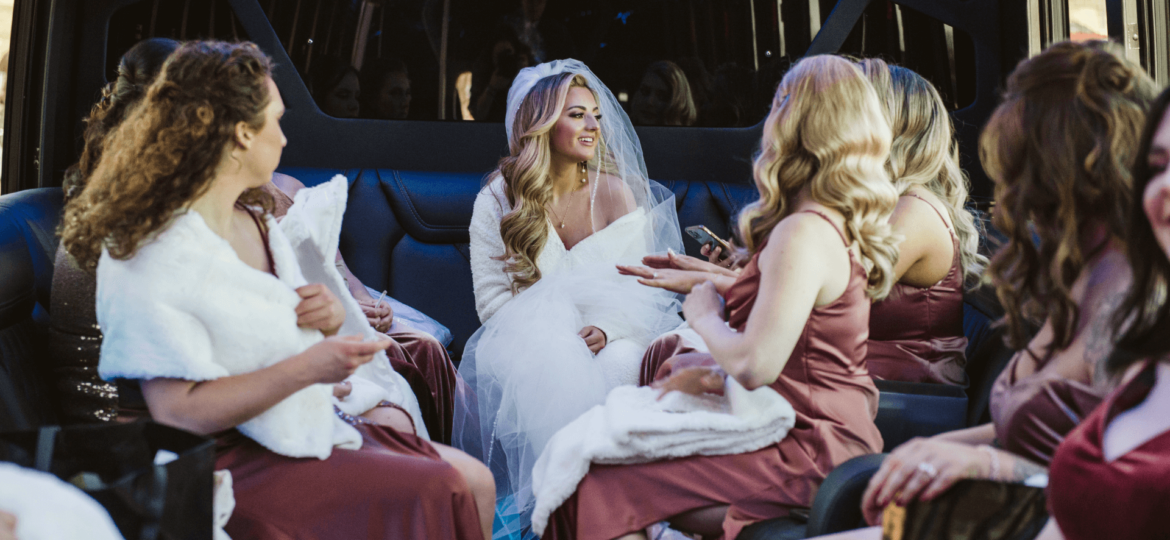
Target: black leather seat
[[28, 245], [406, 232]]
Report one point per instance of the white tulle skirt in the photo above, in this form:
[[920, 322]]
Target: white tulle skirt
[[532, 375]]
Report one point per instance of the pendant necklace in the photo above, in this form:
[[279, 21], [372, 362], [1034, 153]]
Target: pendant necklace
[[584, 179]]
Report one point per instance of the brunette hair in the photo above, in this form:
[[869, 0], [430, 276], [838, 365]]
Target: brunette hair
[[137, 68], [165, 154], [526, 175], [826, 131], [924, 151], [1060, 148], [1142, 318]]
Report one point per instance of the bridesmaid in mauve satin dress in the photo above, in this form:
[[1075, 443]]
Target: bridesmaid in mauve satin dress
[[798, 322]]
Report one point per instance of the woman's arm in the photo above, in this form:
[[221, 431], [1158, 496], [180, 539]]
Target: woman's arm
[[794, 269], [491, 283], [212, 406], [974, 436]]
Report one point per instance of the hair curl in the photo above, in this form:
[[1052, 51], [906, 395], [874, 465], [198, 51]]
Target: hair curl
[[527, 183], [165, 155], [1060, 148], [826, 131], [137, 68], [1141, 319], [924, 151]]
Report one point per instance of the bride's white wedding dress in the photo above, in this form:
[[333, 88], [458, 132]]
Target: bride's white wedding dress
[[531, 372]]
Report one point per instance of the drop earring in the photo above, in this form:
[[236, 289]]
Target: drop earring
[[584, 173]]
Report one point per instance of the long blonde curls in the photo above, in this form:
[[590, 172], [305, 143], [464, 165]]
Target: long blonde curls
[[826, 130], [924, 151], [527, 183]]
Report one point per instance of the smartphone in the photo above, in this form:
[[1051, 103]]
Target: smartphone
[[704, 236]]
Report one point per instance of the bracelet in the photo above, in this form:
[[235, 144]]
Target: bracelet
[[994, 460]]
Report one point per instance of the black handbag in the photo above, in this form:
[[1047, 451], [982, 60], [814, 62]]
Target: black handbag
[[115, 464], [970, 510]]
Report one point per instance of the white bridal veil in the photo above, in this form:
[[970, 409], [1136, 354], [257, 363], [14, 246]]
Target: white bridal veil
[[529, 371]]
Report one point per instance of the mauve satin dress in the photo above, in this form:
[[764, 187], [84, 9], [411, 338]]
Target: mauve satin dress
[[916, 334], [835, 400]]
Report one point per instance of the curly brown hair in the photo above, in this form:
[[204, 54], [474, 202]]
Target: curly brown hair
[[137, 68], [1060, 149], [165, 154]]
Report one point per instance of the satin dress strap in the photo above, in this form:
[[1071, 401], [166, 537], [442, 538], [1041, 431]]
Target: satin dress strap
[[826, 218], [263, 236]]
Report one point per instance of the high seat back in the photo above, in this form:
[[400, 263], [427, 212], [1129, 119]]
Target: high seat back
[[28, 247], [406, 232]]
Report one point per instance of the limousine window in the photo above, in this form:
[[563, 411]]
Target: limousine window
[[670, 62]]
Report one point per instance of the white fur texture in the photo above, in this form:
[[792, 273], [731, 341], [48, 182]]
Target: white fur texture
[[633, 426], [186, 307], [47, 508]]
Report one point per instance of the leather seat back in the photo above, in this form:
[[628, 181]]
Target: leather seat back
[[28, 247], [406, 233]]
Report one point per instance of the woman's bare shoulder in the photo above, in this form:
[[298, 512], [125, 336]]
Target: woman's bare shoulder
[[614, 197]]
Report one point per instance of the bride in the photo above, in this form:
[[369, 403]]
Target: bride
[[560, 326]]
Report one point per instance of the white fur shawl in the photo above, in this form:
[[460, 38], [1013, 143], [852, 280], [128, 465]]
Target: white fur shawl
[[633, 426], [186, 307]]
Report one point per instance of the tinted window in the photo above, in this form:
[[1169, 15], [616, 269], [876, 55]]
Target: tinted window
[[672, 62]]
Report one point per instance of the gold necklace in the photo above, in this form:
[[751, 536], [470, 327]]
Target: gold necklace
[[558, 216]]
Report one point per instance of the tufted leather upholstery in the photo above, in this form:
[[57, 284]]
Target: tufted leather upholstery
[[406, 232]]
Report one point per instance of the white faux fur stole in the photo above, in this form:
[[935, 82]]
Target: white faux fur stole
[[186, 307], [633, 426]]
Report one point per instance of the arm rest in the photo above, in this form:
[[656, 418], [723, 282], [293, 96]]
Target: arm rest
[[838, 504]]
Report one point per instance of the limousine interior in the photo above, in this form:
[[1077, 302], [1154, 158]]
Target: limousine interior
[[414, 173]]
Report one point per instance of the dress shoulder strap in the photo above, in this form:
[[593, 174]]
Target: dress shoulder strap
[[826, 218], [936, 211], [263, 235]]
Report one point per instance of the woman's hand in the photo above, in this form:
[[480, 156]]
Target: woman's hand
[[717, 257], [679, 281], [380, 315], [922, 469], [703, 301], [594, 338], [695, 381], [342, 389], [675, 261], [336, 358], [319, 309]]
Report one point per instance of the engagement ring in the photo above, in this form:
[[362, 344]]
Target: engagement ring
[[928, 469]]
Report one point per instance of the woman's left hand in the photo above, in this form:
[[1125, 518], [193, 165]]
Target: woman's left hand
[[381, 315], [702, 301], [695, 381], [319, 309], [922, 469], [594, 338], [679, 281]]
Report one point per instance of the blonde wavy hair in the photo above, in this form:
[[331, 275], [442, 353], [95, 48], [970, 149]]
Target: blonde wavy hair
[[527, 183], [924, 151], [826, 131]]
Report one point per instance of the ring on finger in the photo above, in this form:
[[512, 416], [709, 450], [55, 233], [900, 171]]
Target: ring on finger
[[928, 469], [654, 275]]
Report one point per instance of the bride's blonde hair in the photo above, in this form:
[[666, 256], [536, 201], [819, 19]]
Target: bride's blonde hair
[[526, 175], [826, 131], [924, 151]]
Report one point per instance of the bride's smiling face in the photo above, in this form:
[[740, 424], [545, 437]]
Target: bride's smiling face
[[575, 135]]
